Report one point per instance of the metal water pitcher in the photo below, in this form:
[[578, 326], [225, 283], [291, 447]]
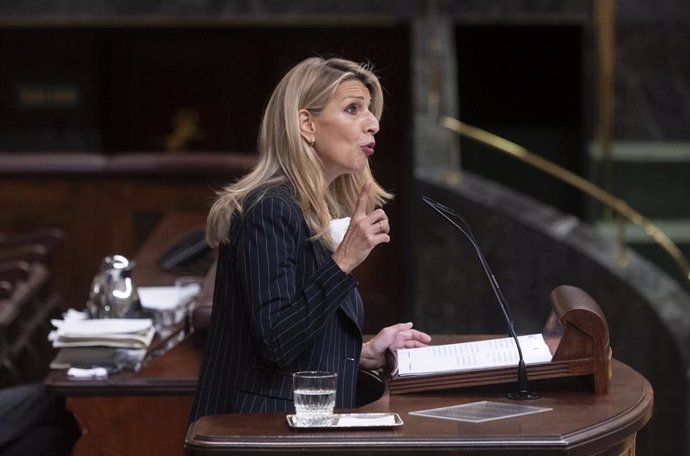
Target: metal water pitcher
[[113, 294]]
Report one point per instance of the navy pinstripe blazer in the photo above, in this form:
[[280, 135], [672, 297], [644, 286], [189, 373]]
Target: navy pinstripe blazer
[[280, 305]]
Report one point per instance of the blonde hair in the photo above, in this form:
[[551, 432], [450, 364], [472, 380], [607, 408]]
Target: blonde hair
[[284, 156]]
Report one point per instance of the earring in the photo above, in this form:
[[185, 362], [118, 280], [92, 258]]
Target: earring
[[312, 142]]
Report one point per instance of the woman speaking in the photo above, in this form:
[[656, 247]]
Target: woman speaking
[[284, 297]]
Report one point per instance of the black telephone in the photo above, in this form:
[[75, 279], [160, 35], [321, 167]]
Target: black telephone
[[185, 251]]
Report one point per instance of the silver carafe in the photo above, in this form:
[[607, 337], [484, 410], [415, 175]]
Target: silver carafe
[[113, 293]]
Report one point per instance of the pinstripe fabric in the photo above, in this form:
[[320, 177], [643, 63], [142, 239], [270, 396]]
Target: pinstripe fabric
[[280, 305]]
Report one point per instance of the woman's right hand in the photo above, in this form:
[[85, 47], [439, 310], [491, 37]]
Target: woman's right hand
[[364, 233]]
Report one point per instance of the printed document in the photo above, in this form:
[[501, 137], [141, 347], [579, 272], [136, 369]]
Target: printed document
[[484, 354]]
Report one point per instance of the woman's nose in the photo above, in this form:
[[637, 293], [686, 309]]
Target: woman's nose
[[372, 124]]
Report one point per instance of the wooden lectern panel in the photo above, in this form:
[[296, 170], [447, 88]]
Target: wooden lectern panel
[[585, 333], [578, 337]]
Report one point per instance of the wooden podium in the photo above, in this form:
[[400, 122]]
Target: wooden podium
[[578, 422], [577, 335]]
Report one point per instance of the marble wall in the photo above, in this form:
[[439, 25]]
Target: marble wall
[[653, 71]]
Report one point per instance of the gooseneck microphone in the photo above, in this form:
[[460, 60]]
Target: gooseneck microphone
[[449, 215]]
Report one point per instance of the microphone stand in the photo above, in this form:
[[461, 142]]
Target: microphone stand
[[522, 392]]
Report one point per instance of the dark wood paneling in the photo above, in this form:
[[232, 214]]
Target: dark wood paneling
[[99, 215], [134, 82]]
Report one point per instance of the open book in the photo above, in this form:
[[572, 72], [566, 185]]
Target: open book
[[468, 356]]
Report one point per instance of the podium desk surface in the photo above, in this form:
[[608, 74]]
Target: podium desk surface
[[580, 423]]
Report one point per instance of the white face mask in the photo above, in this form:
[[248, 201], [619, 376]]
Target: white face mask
[[337, 229]]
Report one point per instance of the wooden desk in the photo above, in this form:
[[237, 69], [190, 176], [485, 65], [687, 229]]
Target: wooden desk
[[143, 413], [581, 423], [146, 413]]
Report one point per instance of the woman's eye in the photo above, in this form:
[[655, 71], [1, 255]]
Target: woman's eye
[[352, 109]]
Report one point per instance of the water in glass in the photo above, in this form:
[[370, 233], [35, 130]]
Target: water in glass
[[314, 396]]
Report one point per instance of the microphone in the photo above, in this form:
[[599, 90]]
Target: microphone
[[523, 392]]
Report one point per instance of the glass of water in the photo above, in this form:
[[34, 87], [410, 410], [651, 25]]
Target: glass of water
[[314, 395]]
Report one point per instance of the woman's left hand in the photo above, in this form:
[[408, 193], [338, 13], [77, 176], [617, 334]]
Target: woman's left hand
[[392, 337]]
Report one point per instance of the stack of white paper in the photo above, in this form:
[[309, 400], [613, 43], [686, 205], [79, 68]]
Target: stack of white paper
[[109, 332]]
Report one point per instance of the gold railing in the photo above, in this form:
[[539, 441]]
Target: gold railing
[[617, 205], [604, 20]]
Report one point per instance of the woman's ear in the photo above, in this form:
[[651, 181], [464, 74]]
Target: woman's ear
[[306, 125]]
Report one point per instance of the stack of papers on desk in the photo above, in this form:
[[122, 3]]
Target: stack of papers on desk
[[474, 363], [110, 332], [471, 356], [114, 344]]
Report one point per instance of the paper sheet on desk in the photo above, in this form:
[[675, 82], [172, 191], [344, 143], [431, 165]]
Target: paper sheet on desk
[[95, 372], [365, 420], [167, 298], [101, 327], [484, 354]]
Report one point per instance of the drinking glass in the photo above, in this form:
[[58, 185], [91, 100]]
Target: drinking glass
[[188, 289], [314, 395], [167, 318]]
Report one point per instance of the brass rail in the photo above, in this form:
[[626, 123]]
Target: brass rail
[[605, 29], [618, 205]]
